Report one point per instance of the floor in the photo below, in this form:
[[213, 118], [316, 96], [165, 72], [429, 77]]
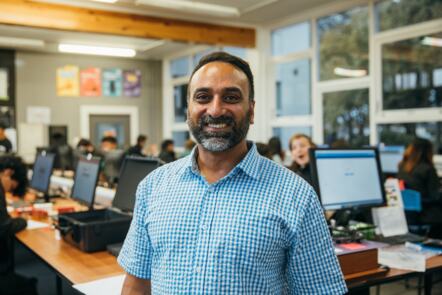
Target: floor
[[29, 265]]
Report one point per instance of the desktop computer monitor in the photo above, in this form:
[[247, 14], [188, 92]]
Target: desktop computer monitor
[[390, 156], [41, 173], [85, 180], [347, 178], [133, 170]]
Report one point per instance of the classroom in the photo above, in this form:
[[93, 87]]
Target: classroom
[[220, 147]]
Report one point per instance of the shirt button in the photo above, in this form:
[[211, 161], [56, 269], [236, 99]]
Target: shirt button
[[203, 227], [211, 189], [198, 270]]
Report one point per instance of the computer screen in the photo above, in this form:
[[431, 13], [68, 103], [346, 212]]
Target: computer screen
[[390, 157], [133, 170], [347, 178], [42, 171], [85, 180]]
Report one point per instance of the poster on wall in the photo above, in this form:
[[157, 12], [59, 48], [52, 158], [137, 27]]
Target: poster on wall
[[90, 82], [4, 84], [67, 81], [112, 82], [38, 115], [132, 83]]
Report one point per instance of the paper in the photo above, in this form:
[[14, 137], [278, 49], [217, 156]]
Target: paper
[[108, 286], [32, 224], [112, 82], [393, 192], [90, 82], [67, 81], [403, 258], [4, 84], [38, 115], [390, 221], [132, 83]]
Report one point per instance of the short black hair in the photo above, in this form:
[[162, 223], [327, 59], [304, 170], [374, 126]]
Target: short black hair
[[166, 143], [110, 139], [239, 63], [141, 138], [20, 174]]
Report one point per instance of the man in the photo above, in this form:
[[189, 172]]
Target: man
[[5, 143], [108, 143], [138, 149], [226, 220]]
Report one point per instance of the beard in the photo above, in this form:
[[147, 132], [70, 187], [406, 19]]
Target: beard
[[219, 141]]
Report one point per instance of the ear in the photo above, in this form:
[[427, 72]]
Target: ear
[[252, 111]]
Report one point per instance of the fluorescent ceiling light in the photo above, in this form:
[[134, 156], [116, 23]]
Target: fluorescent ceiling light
[[193, 7], [349, 73], [96, 50], [21, 42], [106, 1], [431, 41]]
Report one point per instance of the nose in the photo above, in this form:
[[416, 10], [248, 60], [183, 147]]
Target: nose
[[216, 107]]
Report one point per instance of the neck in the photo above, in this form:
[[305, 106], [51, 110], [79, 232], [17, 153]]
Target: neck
[[215, 165]]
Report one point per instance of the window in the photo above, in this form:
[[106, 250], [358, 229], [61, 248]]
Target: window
[[180, 102], [346, 117], [237, 51], [199, 55], [179, 67], [285, 133], [412, 73], [293, 88], [283, 39], [343, 44], [403, 133], [179, 138], [392, 14]]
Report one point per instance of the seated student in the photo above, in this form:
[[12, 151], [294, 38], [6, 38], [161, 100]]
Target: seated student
[[299, 145], [5, 143], [418, 173], [13, 179], [167, 153], [138, 149]]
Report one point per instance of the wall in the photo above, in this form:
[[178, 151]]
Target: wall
[[36, 86]]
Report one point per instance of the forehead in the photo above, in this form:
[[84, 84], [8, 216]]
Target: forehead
[[218, 75]]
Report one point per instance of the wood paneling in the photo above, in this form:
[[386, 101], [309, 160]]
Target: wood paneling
[[61, 17]]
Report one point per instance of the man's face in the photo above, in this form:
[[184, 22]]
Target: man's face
[[219, 109]]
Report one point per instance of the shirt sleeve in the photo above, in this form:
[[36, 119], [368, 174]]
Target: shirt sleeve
[[136, 254], [313, 267]]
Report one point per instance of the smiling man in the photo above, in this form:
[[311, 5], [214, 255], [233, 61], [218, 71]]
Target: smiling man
[[225, 220]]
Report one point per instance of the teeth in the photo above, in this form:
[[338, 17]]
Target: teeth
[[217, 125]]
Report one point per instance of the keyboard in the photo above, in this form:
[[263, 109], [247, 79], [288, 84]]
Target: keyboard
[[401, 239]]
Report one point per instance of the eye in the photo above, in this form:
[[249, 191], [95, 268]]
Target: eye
[[231, 98], [202, 97]]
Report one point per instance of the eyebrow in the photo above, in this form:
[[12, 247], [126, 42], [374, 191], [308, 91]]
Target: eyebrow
[[227, 89]]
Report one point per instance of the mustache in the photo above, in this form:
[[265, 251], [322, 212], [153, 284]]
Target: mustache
[[208, 119]]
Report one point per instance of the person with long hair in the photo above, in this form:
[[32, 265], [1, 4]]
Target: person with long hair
[[299, 145], [417, 170], [418, 173]]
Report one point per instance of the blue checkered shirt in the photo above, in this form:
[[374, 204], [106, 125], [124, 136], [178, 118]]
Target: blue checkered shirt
[[258, 230]]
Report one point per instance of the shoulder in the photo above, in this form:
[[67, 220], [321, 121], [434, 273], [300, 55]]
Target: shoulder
[[165, 171]]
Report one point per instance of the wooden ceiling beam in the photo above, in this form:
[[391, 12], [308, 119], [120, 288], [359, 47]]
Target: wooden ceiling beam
[[68, 18]]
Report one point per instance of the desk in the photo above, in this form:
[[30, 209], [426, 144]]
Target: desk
[[360, 280], [80, 267], [69, 262]]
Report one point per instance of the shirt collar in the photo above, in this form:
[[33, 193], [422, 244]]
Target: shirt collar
[[250, 164]]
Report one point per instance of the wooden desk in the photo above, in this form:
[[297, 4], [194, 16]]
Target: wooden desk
[[361, 280], [69, 262]]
